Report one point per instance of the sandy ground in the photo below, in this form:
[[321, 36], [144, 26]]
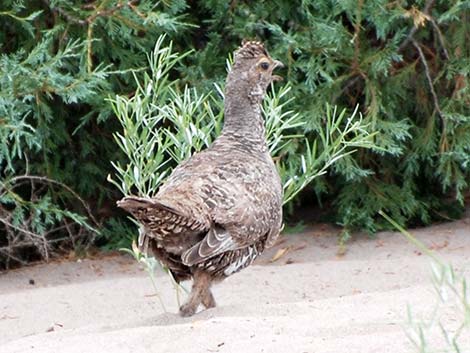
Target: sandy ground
[[309, 300]]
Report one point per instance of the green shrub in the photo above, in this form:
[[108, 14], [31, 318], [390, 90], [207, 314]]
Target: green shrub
[[59, 61], [406, 64]]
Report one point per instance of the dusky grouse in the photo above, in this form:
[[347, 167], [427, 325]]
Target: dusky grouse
[[222, 207]]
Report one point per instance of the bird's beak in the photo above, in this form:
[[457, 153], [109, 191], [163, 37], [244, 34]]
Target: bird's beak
[[277, 64]]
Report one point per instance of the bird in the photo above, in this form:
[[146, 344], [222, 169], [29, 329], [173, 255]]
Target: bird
[[221, 208]]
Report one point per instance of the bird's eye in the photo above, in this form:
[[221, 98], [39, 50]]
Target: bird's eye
[[264, 65]]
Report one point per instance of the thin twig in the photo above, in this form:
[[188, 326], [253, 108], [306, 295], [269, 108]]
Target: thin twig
[[69, 231], [66, 187], [65, 14], [429, 79], [7, 252], [89, 47], [357, 29], [8, 248], [426, 10], [100, 13], [109, 12], [24, 235], [348, 84], [90, 21], [25, 231], [440, 37]]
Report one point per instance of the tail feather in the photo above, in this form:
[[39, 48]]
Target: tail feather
[[173, 230], [134, 203]]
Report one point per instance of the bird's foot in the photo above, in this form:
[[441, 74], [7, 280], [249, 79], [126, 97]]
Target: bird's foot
[[200, 294], [188, 309]]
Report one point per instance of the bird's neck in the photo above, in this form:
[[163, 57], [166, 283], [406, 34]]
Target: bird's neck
[[243, 119]]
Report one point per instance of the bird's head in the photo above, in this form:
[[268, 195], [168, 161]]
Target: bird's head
[[252, 71]]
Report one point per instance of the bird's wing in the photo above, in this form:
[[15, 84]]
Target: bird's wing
[[255, 215], [216, 241], [238, 227]]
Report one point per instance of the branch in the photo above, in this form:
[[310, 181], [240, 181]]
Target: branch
[[427, 8], [7, 252], [66, 187], [357, 29], [109, 12], [352, 81], [66, 15], [440, 37], [100, 13], [8, 249], [429, 79]]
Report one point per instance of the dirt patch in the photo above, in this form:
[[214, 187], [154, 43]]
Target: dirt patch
[[300, 296]]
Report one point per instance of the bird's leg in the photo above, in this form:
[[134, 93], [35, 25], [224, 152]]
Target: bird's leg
[[208, 299], [201, 285]]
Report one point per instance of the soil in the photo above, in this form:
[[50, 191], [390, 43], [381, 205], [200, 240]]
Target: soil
[[304, 295]]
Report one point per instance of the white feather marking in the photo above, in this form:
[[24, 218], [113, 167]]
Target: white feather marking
[[240, 262]]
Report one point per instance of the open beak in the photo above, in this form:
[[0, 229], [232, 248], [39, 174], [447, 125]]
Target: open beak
[[277, 64]]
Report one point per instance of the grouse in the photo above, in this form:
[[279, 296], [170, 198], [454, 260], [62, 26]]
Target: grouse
[[222, 207]]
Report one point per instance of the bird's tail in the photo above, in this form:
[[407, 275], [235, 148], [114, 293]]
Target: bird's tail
[[159, 219], [133, 203], [140, 207]]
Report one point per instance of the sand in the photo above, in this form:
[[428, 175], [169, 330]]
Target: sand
[[309, 300]]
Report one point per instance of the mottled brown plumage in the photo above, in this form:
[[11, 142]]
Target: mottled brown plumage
[[219, 209]]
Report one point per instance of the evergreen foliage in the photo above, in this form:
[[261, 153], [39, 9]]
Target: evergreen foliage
[[59, 62], [406, 64]]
